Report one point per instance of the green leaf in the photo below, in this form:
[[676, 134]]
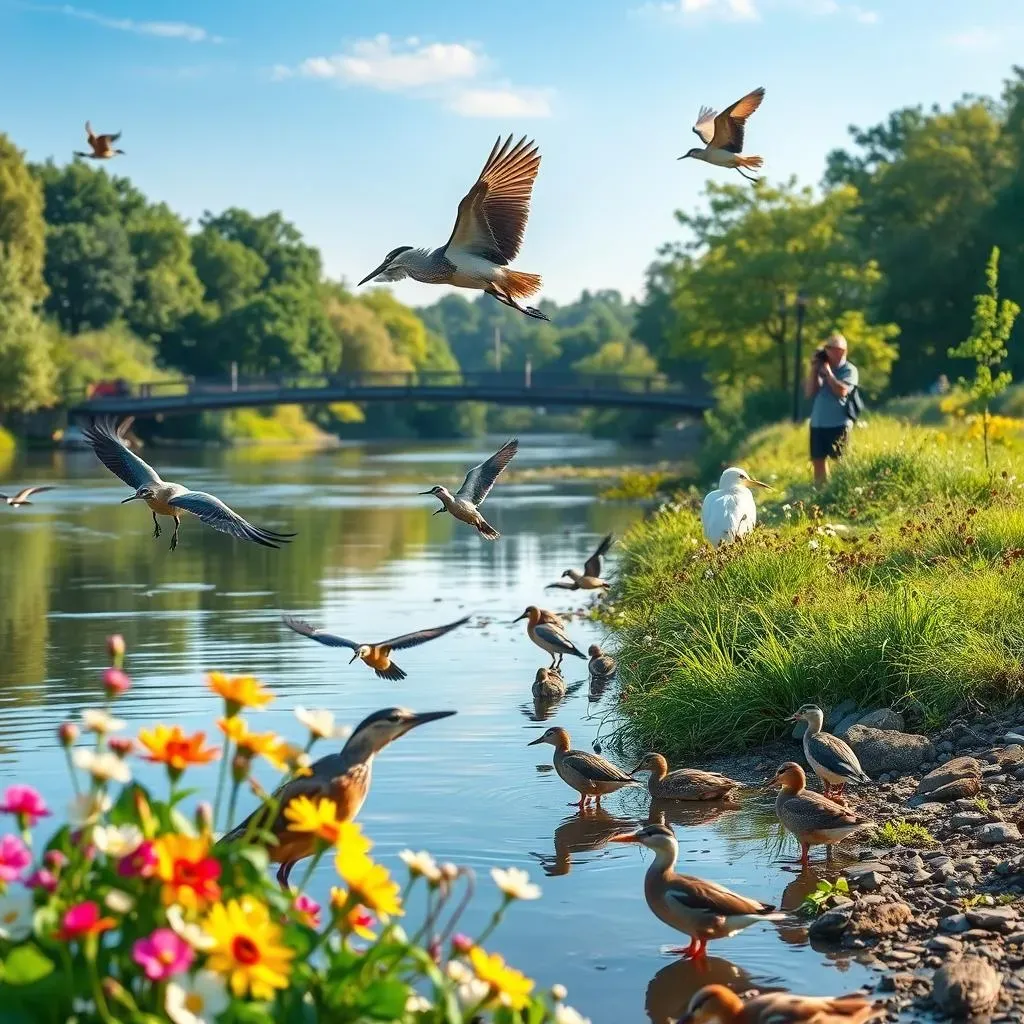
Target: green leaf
[[256, 856], [385, 999], [25, 965]]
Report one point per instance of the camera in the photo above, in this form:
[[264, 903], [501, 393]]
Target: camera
[[820, 355]]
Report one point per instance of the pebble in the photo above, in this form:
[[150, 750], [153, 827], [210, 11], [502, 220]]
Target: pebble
[[966, 987], [999, 832]]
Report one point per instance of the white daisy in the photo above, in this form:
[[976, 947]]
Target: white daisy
[[87, 808], [196, 1000], [16, 909], [515, 884], [117, 840], [321, 724], [418, 1004], [119, 901], [193, 934], [421, 865], [100, 722], [105, 767], [567, 1015]]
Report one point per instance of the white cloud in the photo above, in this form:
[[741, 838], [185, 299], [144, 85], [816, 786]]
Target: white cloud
[[381, 63], [754, 10], [730, 10], [501, 102], [162, 29], [451, 73], [976, 38]]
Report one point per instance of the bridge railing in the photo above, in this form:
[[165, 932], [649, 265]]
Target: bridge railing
[[473, 381]]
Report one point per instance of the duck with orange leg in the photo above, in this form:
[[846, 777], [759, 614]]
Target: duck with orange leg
[[833, 759], [589, 774], [694, 906], [811, 818], [544, 630], [716, 1004]]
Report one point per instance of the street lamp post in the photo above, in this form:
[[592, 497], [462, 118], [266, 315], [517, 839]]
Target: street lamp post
[[801, 306]]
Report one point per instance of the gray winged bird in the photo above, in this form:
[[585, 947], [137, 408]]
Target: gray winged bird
[[590, 578], [377, 656], [487, 236], [465, 503], [343, 778], [169, 499], [722, 135], [21, 498], [102, 146]]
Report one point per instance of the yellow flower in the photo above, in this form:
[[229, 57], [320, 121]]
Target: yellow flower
[[321, 818], [189, 873], [239, 692], [265, 744], [357, 920], [511, 987], [368, 883], [248, 948]]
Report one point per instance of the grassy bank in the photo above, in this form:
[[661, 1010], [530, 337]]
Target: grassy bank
[[901, 584]]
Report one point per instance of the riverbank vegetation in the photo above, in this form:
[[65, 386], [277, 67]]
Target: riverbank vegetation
[[901, 585]]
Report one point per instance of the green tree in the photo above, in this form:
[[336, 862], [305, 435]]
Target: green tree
[[986, 345], [731, 290], [26, 369], [277, 242], [22, 229], [230, 272], [366, 345], [90, 271]]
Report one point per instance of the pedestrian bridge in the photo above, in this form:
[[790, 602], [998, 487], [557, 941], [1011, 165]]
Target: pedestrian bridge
[[606, 391]]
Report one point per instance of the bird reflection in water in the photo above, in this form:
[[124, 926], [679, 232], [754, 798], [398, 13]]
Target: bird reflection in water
[[581, 833], [549, 690], [677, 812], [669, 992]]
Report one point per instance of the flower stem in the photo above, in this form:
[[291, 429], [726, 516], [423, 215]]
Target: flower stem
[[220, 781], [94, 978], [312, 866], [71, 771], [498, 914]]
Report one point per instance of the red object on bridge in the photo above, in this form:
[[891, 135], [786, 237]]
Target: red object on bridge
[[110, 389]]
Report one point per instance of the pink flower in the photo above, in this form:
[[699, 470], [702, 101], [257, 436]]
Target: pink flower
[[162, 954], [84, 919], [115, 646], [55, 859], [14, 858], [309, 909], [42, 878], [142, 862], [462, 943], [26, 803], [67, 733], [121, 745], [115, 682]]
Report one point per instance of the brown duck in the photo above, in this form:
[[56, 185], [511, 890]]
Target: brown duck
[[589, 774], [684, 783], [102, 146]]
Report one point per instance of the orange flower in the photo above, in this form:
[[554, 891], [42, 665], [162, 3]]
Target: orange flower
[[356, 919], [187, 870], [170, 746], [250, 744], [239, 692]]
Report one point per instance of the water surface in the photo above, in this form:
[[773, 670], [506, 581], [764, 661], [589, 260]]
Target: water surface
[[371, 562]]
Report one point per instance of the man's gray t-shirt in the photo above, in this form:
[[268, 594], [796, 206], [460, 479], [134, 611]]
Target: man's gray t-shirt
[[829, 410]]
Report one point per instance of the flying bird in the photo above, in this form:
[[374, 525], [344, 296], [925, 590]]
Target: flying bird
[[343, 777], [729, 512], [105, 438], [21, 498], [465, 503], [590, 578], [487, 235], [722, 135], [377, 656], [102, 146]]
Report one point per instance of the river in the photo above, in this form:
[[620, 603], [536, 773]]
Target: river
[[371, 562]]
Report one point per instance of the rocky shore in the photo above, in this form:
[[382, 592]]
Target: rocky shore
[[936, 901]]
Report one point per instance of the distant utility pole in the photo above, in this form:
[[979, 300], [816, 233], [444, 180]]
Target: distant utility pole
[[497, 348]]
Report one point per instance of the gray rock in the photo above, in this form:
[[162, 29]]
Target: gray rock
[[999, 832], [952, 771], [959, 789], [945, 944], [836, 714], [798, 730], [831, 925], [869, 881], [955, 924], [966, 988], [880, 750], [993, 919], [968, 819], [844, 724], [884, 718]]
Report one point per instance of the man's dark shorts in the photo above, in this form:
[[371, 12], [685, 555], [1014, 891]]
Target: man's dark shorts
[[829, 442]]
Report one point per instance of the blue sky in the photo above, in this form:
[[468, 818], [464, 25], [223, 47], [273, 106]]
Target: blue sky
[[365, 122]]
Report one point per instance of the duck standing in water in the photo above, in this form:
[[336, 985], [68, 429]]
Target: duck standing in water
[[589, 774], [602, 667], [548, 636], [716, 1004], [548, 685], [698, 908], [684, 783]]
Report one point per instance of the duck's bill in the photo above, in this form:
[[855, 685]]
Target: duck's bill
[[533, 743], [423, 717], [425, 492], [624, 837], [794, 718], [517, 619]]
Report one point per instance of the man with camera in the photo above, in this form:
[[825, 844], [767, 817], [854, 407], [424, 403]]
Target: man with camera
[[830, 383]]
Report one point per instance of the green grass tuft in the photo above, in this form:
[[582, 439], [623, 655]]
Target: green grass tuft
[[900, 832]]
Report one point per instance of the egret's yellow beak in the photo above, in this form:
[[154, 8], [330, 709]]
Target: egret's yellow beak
[[757, 483]]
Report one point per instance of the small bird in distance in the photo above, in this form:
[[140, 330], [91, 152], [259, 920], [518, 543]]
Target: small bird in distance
[[21, 498], [102, 146]]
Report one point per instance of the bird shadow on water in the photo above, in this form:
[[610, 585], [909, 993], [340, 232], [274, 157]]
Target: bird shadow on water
[[579, 833], [670, 990]]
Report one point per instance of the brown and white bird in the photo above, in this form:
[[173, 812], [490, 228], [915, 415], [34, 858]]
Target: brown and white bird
[[487, 236], [377, 656], [590, 578], [21, 498], [106, 438], [102, 146], [465, 503], [722, 135], [716, 1004]]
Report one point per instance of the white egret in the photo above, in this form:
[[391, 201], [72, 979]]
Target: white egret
[[729, 512]]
